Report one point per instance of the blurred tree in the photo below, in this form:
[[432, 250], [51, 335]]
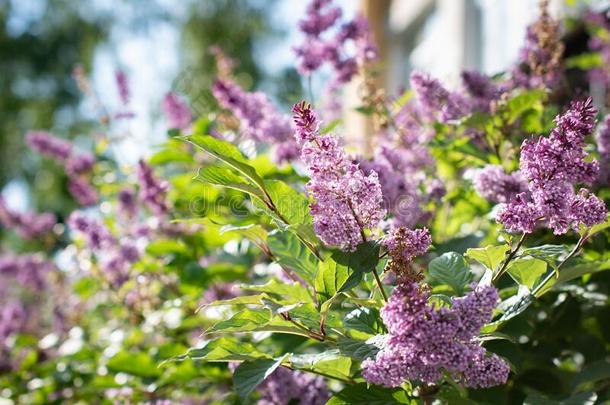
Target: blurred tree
[[40, 43]]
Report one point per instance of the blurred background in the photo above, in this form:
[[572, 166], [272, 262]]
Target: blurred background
[[163, 45]]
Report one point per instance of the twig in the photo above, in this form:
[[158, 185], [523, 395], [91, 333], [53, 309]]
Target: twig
[[510, 257]]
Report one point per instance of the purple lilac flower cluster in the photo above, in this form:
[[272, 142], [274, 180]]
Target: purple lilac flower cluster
[[115, 257], [553, 166], [435, 101], [13, 319], [259, 119], [78, 166], [28, 225], [601, 45], [318, 48], [152, 190], [403, 246], [482, 91], [346, 201], [494, 184], [540, 57], [29, 270], [425, 342], [177, 112], [603, 148], [284, 386]]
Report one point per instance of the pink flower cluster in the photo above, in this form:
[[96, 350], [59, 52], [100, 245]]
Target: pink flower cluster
[[78, 166], [425, 343], [28, 225], [553, 166], [347, 202]]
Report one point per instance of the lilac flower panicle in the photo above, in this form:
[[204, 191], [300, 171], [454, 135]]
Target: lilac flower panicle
[[122, 86], [306, 122], [28, 225], [481, 89], [494, 184], [13, 319], [553, 166], [435, 101], [319, 17], [320, 47], [152, 190], [177, 112], [28, 270], [405, 244], [80, 164], [98, 236], [82, 191], [127, 203], [603, 147], [424, 342], [259, 119], [346, 201], [49, 145], [285, 387], [540, 57]]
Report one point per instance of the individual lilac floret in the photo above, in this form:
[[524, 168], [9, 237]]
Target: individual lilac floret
[[259, 119], [346, 201], [48, 145], [80, 164], [494, 184], [284, 386], [28, 225], [553, 166], [426, 343], [82, 191], [152, 190], [436, 102], [177, 112]]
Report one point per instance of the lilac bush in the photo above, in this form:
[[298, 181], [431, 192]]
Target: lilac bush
[[256, 256]]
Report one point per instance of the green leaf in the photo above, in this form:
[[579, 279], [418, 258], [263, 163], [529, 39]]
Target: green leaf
[[250, 374], [162, 247], [276, 288], [227, 153], [362, 394], [364, 320], [450, 269], [222, 176], [599, 370], [253, 232], [243, 321], [363, 260], [527, 271], [330, 363], [332, 278], [516, 304], [524, 101], [292, 206], [223, 349], [489, 256], [291, 253], [585, 61], [166, 156], [358, 349], [583, 398], [138, 364]]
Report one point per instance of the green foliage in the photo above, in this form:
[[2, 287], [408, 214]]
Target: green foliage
[[450, 269]]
